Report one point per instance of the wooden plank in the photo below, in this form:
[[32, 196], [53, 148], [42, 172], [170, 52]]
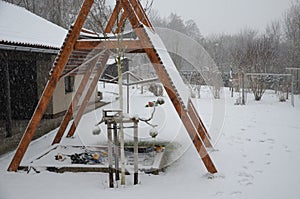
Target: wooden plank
[[108, 44], [113, 18], [51, 85], [139, 10], [88, 95], [198, 124], [122, 22], [75, 101], [133, 19]]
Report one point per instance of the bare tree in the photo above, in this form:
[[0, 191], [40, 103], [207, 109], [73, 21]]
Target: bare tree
[[292, 32]]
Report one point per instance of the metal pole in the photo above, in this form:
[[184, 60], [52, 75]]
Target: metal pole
[[116, 152], [110, 161], [136, 153], [292, 92], [127, 93]]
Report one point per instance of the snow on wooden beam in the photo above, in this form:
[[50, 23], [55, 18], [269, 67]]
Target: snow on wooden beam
[[202, 132], [136, 4]]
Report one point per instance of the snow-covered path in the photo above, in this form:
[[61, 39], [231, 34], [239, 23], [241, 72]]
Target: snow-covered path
[[257, 155]]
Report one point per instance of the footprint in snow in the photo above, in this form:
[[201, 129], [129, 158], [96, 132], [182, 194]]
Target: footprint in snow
[[234, 193], [286, 148], [219, 193], [258, 171], [245, 182]]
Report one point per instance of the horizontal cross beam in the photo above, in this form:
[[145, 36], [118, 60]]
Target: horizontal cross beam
[[128, 45]]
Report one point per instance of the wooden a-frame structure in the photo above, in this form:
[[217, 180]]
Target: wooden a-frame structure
[[92, 56]]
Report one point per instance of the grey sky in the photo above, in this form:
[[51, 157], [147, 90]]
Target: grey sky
[[225, 16]]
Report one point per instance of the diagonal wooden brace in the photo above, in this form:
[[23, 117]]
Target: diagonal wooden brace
[[75, 101], [88, 95]]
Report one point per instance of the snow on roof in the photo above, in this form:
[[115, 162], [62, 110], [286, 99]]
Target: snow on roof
[[19, 26], [170, 67]]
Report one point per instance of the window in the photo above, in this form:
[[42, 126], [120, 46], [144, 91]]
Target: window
[[69, 84]]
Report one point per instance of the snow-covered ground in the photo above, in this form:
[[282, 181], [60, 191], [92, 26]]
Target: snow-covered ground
[[257, 154]]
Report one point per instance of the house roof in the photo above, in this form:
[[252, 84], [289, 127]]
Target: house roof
[[20, 27]]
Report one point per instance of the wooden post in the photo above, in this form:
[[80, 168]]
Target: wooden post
[[122, 22], [75, 101], [58, 68], [117, 151], [136, 4], [136, 153], [110, 161], [243, 89], [88, 95], [8, 122]]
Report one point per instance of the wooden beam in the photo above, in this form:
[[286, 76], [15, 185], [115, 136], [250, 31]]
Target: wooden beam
[[88, 95], [132, 16], [113, 18], [139, 10], [186, 120], [192, 112], [191, 104], [122, 22], [128, 45], [75, 101], [58, 67]]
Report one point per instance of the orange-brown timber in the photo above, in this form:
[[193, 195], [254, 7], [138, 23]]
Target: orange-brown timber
[[196, 121], [113, 18], [128, 45]]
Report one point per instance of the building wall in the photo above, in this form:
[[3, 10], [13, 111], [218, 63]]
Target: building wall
[[22, 82], [61, 98]]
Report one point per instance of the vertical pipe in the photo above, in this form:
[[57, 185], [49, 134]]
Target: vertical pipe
[[136, 153], [117, 152], [127, 93], [110, 161], [292, 92]]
